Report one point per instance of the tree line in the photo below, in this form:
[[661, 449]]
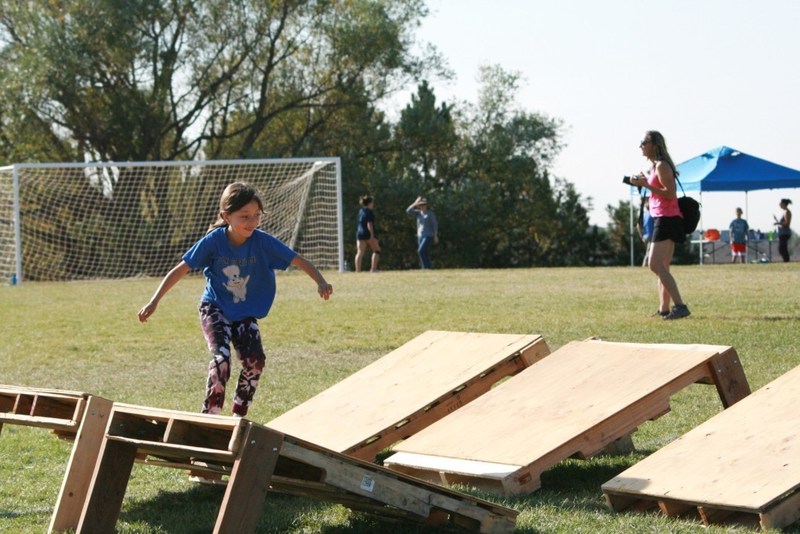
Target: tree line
[[149, 80]]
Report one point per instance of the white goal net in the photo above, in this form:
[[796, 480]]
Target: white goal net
[[82, 221]]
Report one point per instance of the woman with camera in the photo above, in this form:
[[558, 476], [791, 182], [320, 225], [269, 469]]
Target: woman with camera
[[668, 222]]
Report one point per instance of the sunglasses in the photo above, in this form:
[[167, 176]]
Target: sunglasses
[[644, 142]]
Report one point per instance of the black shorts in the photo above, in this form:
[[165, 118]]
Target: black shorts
[[669, 228]]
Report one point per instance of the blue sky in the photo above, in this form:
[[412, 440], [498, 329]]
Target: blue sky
[[704, 72]]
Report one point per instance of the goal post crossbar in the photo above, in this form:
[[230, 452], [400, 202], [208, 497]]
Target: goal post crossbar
[[94, 220]]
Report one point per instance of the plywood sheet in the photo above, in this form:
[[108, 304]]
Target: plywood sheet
[[577, 401], [742, 461], [408, 389]]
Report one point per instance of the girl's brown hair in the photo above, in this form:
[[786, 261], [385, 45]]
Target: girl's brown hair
[[236, 196], [661, 149]]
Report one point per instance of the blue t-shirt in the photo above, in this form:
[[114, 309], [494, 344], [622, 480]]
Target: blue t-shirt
[[738, 229], [240, 280]]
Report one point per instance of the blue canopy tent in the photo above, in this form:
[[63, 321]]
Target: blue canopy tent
[[727, 169]]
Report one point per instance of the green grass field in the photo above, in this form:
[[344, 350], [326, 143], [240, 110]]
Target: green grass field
[[85, 336]]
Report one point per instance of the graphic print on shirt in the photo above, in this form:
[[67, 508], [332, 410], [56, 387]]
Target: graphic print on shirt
[[236, 284]]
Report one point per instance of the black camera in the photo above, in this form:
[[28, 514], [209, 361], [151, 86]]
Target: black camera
[[626, 180]]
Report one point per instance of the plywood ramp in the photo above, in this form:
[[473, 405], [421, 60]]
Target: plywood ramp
[[408, 389], [576, 402], [743, 465]]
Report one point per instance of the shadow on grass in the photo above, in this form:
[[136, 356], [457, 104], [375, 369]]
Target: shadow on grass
[[777, 318], [194, 512], [572, 484]]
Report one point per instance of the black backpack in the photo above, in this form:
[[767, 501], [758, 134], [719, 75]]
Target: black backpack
[[690, 209]]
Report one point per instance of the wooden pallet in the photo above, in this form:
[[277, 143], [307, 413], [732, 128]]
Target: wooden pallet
[[408, 389], [73, 415], [254, 458], [58, 410], [741, 466], [578, 401], [180, 439]]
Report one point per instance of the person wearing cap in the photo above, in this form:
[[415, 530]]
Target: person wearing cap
[[427, 230]]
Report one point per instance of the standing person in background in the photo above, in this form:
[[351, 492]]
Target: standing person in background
[[239, 262], [365, 234], [645, 228], [668, 227], [784, 228], [427, 230], [738, 231]]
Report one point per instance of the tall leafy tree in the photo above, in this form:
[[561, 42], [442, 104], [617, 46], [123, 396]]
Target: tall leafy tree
[[152, 79], [505, 163], [620, 236], [426, 139]]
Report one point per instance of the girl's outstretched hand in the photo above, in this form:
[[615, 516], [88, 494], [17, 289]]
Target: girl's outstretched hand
[[147, 311], [325, 290]]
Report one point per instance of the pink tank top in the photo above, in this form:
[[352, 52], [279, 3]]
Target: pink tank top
[[660, 206]]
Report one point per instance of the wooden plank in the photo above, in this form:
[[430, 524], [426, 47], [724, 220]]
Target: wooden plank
[[26, 390], [783, 513], [728, 376], [78, 476], [161, 414], [408, 389], [577, 401], [742, 461], [360, 480], [107, 488], [249, 480], [174, 451], [64, 425]]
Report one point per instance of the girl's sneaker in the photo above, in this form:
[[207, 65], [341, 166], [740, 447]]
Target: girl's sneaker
[[659, 313]]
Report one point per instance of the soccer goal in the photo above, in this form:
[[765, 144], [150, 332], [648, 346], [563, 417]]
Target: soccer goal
[[80, 221]]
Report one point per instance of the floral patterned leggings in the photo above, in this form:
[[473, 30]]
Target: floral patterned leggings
[[220, 333]]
